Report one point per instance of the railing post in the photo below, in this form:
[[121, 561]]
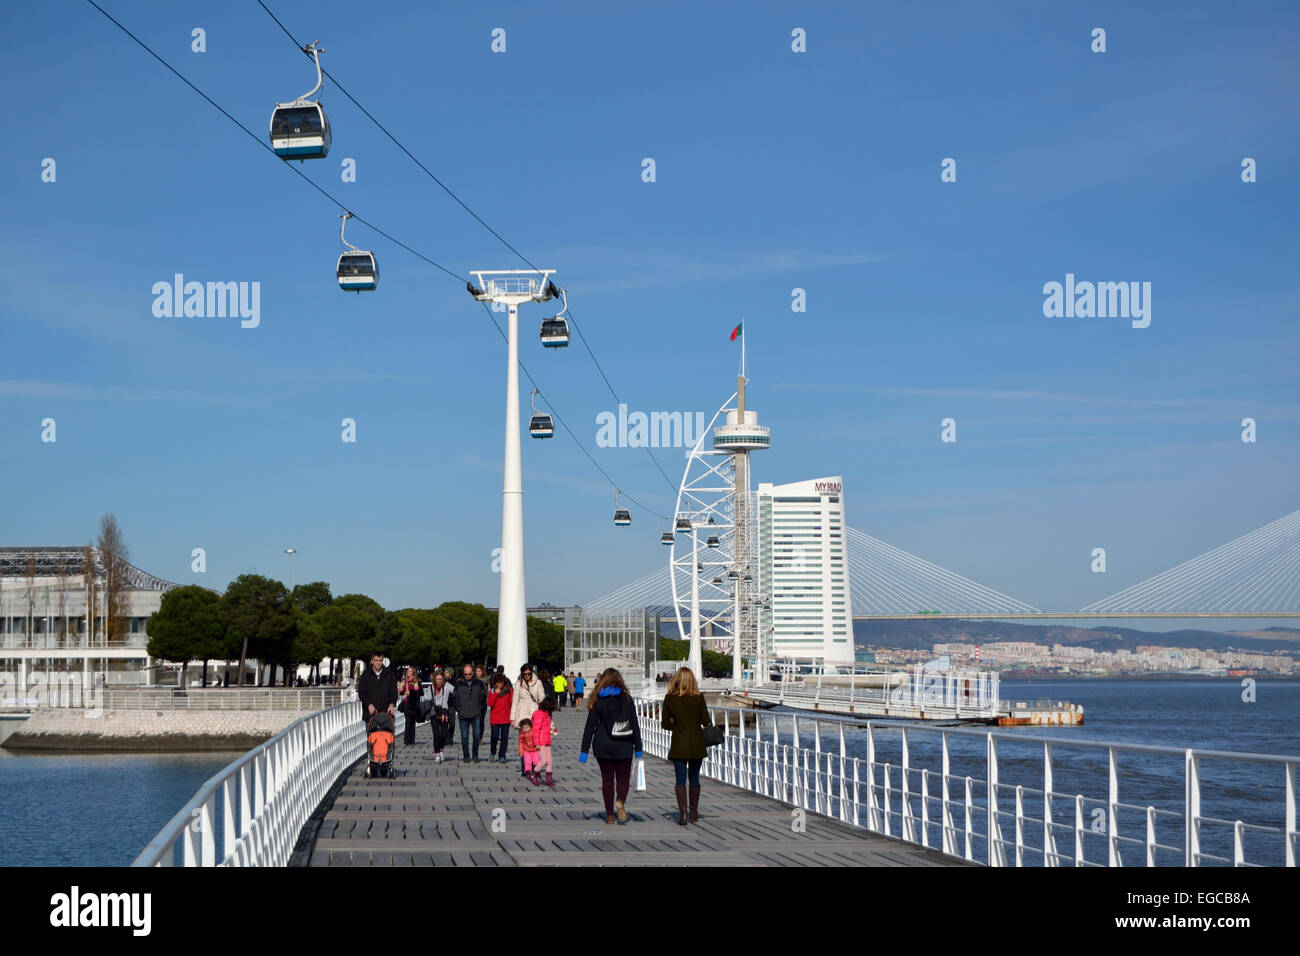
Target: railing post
[[1151, 836], [947, 837], [1112, 811], [1289, 833], [1192, 809], [925, 807], [885, 814], [909, 823], [1078, 829], [873, 817], [1020, 825], [970, 822], [994, 827], [1238, 855], [1049, 839]]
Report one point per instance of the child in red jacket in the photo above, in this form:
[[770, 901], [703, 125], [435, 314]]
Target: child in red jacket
[[499, 701], [542, 730], [529, 751]]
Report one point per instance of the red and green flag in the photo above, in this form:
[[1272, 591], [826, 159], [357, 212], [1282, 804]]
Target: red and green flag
[[735, 333]]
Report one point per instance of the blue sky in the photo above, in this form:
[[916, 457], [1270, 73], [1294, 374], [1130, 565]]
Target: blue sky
[[775, 171]]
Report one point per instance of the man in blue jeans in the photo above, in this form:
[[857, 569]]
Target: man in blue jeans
[[469, 701]]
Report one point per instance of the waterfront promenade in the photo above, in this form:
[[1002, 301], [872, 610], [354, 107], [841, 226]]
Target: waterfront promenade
[[486, 814]]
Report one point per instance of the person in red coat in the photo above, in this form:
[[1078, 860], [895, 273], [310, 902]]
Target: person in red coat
[[500, 699]]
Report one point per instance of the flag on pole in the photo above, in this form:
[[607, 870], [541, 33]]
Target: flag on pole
[[735, 333]]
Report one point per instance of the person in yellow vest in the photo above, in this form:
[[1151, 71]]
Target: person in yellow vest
[[561, 687]]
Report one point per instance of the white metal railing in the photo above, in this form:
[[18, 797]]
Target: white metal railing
[[1012, 811], [251, 812]]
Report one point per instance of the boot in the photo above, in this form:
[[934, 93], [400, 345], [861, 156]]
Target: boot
[[621, 811], [549, 781], [681, 806], [532, 775], [695, 804]]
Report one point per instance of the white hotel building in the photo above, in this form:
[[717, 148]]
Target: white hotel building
[[803, 572]]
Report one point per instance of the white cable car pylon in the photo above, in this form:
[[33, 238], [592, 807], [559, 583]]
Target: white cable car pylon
[[357, 269], [300, 129], [540, 425]]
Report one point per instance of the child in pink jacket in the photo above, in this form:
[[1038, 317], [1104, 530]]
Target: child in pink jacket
[[542, 731]]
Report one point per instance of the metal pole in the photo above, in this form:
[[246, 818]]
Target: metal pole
[[735, 643], [696, 662], [512, 625]]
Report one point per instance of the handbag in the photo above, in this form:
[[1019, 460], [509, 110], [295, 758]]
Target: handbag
[[426, 708], [640, 775], [714, 735]]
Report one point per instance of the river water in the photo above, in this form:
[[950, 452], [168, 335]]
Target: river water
[[91, 809]]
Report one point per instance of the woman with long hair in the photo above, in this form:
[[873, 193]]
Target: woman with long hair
[[614, 734], [686, 715], [409, 689], [440, 719]]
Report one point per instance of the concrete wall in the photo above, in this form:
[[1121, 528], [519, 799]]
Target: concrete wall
[[148, 730]]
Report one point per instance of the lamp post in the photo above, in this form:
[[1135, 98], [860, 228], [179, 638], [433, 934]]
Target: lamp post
[[511, 288], [290, 552]]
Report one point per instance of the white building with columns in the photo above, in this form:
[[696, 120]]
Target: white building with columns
[[52, 623]]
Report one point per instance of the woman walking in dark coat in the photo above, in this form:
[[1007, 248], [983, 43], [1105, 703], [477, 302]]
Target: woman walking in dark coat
[[614, 734], [686, 715]]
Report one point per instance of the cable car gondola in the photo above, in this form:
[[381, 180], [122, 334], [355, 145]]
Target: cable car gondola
[[713, 541], [622, 517], [666, 537], [357, 269], [540, 425], [683, 524], [717, 580], [301, 130], [555, 330]]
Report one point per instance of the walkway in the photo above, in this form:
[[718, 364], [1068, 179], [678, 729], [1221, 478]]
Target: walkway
[[486, 814]]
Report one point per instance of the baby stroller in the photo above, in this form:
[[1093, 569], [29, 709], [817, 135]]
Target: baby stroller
[[379, 745]]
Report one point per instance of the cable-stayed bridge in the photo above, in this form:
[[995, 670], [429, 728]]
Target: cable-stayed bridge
[[1254, 576]]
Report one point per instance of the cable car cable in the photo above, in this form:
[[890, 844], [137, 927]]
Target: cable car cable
[[447, 189], [386, 235]]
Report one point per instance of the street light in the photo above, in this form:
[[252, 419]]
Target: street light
[[290, 552]]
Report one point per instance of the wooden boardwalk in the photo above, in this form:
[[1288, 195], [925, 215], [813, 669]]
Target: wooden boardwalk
[[486, 814]]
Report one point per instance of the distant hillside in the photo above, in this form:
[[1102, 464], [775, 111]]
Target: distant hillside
[[920, 635]]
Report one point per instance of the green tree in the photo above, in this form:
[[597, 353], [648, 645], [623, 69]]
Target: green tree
[[348, 631], [674, 650], [310, 598], [545, 644], [187, 626], [259, 612], [308, 644], [477, 623]]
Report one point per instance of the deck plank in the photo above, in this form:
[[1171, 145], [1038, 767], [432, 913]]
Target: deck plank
[[460, 813]]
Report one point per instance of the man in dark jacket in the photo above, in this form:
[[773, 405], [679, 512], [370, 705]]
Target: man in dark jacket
[[469, 701], [377, 689]]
